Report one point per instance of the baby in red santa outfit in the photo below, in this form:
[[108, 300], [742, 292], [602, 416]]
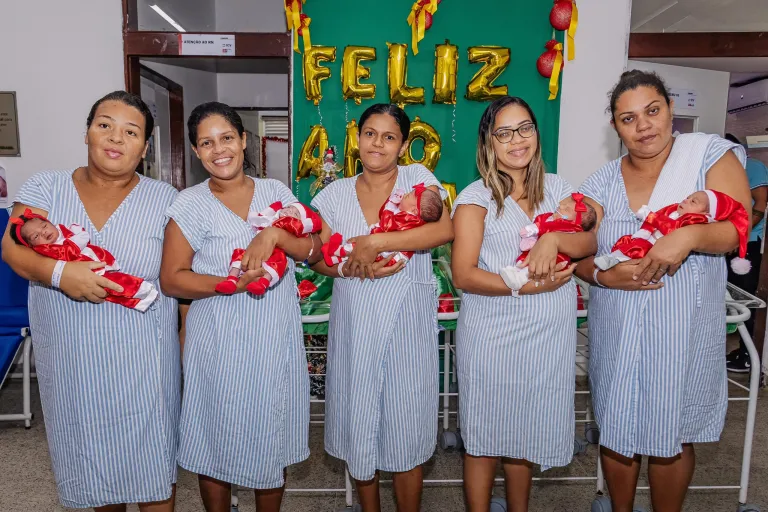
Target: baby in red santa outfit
[[401, 212], [700, 207], [573, 215], [297, 219], [72, 243]]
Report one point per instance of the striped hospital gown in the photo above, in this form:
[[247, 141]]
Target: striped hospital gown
[[382, 376], [657, 358], [516, 355], [245, 410], [109, 376]]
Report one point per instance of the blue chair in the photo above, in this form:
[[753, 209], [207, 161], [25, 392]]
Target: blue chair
[[14, 330]]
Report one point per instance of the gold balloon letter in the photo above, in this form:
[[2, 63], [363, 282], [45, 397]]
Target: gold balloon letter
[[451, 189], [397, 66], [317, 139], [481, 87], [425, 132], [314, 72], [444, 81], [351, 150], [352, 72]]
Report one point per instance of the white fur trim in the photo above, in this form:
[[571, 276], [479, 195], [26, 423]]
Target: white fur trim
[[147, 293], [712, 203], [643, 212], [272, 274]]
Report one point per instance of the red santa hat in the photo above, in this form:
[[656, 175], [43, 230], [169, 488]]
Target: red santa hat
[[724, 207], [309, 219]]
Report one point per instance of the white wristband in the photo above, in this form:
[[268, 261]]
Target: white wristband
[[594, 277], [58, 270], [341, 269]]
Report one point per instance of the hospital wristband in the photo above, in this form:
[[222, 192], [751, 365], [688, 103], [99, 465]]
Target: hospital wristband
[[58, 270], [311, 250], [594, 277]]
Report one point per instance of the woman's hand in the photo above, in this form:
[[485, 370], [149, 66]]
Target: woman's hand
[[80, 282], [379, 268], [542, 259], [561, 276], [621, 277], [361, 259], [665, 257], [260, 249]]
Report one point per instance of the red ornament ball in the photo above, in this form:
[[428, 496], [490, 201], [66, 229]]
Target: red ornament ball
[[560, 15], [546, 63], [551, 44], [427, 20]]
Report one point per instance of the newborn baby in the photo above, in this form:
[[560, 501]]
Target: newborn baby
[[72, 243], [700, 207], [572, 215], [401, 212]]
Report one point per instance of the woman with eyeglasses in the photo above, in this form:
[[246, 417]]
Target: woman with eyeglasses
[[516, 354]]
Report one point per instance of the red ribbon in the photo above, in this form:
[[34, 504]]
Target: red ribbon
[[306, 288], [23, 219], [445, 304], [580, 207]]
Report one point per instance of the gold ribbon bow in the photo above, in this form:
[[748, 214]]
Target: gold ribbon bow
[[417, 19], [572, 32], [304, 33], [293, 18], [554, 80]]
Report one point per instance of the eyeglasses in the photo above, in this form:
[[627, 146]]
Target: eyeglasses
[[505, 135]]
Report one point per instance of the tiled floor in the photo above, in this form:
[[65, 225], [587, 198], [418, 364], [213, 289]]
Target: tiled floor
[[26, 480]]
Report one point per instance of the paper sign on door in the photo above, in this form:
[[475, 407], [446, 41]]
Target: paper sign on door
[[207, 44]]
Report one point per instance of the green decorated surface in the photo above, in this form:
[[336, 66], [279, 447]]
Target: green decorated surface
[[521, 26]]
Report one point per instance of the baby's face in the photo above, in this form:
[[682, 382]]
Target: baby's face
[[566, 209], [409, 203], [38, 232], [698, 202], [289, 211]]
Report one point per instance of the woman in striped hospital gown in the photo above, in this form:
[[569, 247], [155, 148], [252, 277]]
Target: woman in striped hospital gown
[[109, 376], [515, 354], [657, 343], [382, 377], [245, 410]]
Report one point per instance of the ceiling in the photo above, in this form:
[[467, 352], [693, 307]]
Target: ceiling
[[278, 66], [699, 16], [741, 68]]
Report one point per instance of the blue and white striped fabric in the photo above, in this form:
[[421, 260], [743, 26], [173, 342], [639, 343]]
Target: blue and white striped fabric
[[109, 376], [382, 374], [516, 356], [245, 410], [657, 358]]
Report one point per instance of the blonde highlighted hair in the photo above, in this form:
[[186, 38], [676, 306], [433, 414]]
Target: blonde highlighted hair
[[500, 183]]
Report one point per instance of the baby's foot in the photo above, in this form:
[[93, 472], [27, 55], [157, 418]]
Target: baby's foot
[[227, 286]]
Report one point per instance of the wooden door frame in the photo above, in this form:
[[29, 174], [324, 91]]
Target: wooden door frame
[[176, 118], [702, 45], [138, 44]]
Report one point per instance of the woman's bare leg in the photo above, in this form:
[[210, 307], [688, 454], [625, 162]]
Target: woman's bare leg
[[669, 479], [479, 473], [408, 486], [368, 494], [518, 477], [216, 495], [160, 506], [621, 476]]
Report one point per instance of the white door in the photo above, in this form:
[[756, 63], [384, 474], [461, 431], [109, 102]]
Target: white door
[[701, 95]]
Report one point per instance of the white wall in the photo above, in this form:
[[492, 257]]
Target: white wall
[[199, 87], [587, 140], [711, 92], [192, 15], [250, 16], [253, 90], [57, 79]]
